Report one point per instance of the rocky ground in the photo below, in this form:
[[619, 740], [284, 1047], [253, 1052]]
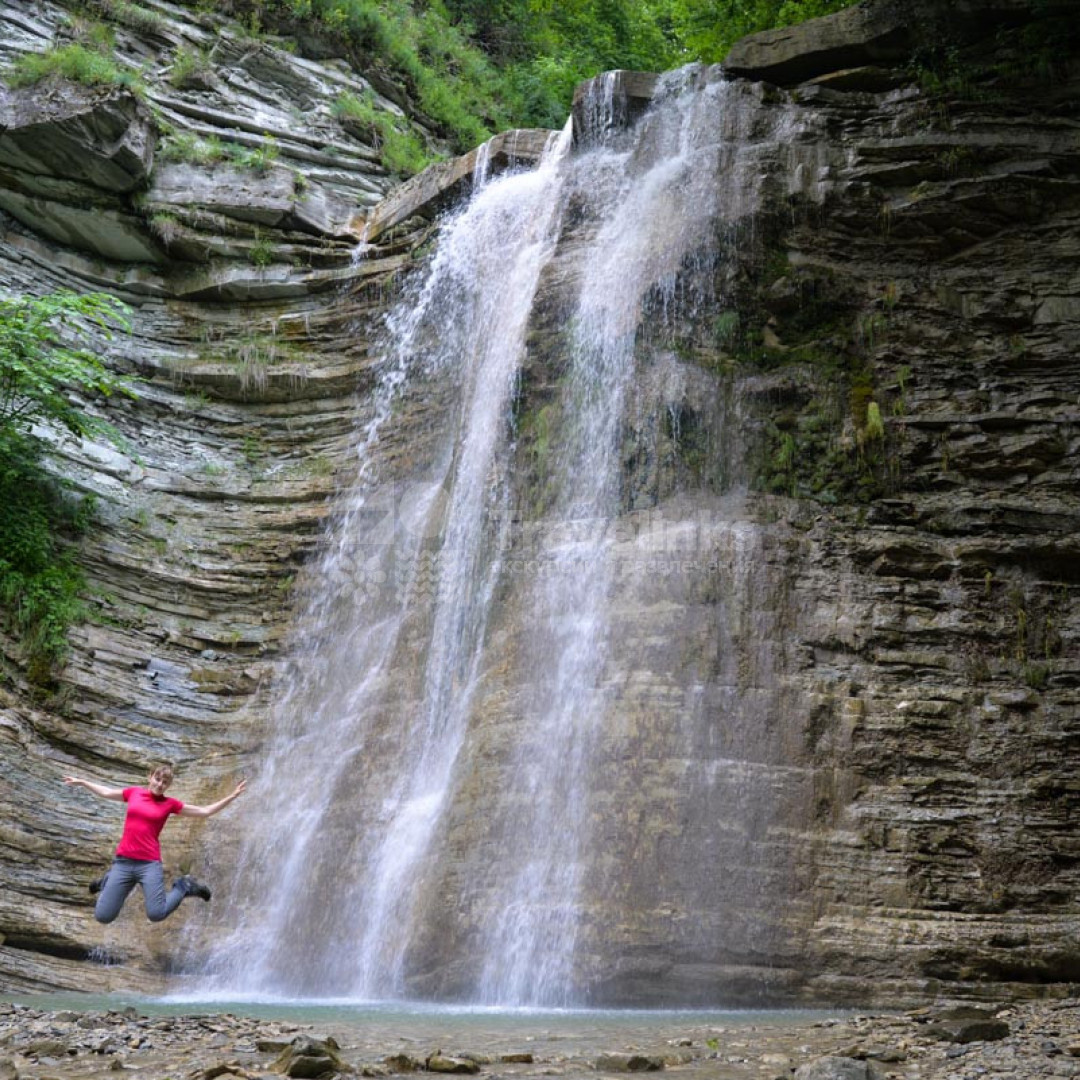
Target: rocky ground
[[960, 1043]]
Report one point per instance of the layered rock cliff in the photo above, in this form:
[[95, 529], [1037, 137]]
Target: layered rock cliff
[[249, 364], [849, 530]]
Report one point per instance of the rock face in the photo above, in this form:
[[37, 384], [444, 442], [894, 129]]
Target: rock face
[[244, 417], [850, 535]]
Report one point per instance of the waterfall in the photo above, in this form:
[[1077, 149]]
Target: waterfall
[[398, 740], [468, 313]]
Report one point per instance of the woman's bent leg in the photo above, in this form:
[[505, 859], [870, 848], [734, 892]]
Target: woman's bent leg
[[159, 904], [119, 881]]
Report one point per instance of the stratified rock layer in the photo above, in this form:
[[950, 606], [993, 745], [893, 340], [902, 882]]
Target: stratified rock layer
[[244, 415]]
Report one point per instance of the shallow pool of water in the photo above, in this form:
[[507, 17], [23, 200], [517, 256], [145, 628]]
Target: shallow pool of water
[[454, 1024]]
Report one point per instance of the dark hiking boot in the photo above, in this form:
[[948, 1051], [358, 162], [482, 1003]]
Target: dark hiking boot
[[97, 885], [192, 887]]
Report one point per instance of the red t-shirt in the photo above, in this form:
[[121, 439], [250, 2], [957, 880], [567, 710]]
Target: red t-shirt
[[146, 817]]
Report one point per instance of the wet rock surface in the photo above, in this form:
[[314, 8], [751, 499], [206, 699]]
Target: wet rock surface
[[1043, 1040]]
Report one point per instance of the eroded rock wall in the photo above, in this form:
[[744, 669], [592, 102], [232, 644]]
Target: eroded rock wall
[[249, 343], [856, 693], [929, 616]]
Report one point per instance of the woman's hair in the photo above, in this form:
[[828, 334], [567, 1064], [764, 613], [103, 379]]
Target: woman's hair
[[163, 767]]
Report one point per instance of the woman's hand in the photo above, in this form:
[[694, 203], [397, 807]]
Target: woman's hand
[[215, 807]]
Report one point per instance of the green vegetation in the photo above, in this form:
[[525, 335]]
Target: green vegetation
[[706, 29], [477, 66], [75, 62], [165, 227], [183, 146], [40, 584], [190, 67], [42, 366], [261, 252], [132, 16], [472, 67], [423, 50], [259, 158], [1030, 56], [399, 149]]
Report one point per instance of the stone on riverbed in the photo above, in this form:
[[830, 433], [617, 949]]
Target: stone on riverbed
[[778, 1066], [402, 1063], [443, 1064], [306, 1058], [49, 1047], [837, 1068], [966, 1025], [628, 1063]]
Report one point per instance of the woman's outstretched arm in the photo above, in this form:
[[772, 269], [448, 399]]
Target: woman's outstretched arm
[[213, 808], [116, 794]]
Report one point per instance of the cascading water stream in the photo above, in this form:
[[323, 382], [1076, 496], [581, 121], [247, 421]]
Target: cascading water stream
[[341, 886], [469, 312], [654, 201]]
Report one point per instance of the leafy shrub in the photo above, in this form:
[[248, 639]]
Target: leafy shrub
[[261, 253], [42, 366], [259, 159], [40, 583]]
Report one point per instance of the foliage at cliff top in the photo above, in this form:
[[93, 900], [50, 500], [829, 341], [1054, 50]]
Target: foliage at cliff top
[[44, 370], [478, 66]]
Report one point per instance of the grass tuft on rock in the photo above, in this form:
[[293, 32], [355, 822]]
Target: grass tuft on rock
[[74, 62]]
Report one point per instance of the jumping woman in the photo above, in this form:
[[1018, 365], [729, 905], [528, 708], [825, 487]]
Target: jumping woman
[[138, 855]]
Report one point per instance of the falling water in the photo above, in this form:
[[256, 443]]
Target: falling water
[[654, 201], [469, 312], [339, 885]]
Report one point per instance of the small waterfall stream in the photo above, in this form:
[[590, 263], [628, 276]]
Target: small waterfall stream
[[341, 884]]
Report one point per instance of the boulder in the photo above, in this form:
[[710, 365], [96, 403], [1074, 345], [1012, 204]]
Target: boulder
[[837, 1068], [305, 1058], [49, 1047], [104, 138], [628, 1063], [402, 1063], [968, 1029], [442, 1063]]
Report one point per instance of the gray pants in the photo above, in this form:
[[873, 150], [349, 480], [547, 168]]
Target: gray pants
[[123, 876]]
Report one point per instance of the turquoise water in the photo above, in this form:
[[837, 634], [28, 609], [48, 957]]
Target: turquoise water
[[425, 1016], [567, 1041]]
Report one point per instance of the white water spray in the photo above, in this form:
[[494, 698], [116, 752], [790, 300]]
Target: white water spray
[[339, 882]]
